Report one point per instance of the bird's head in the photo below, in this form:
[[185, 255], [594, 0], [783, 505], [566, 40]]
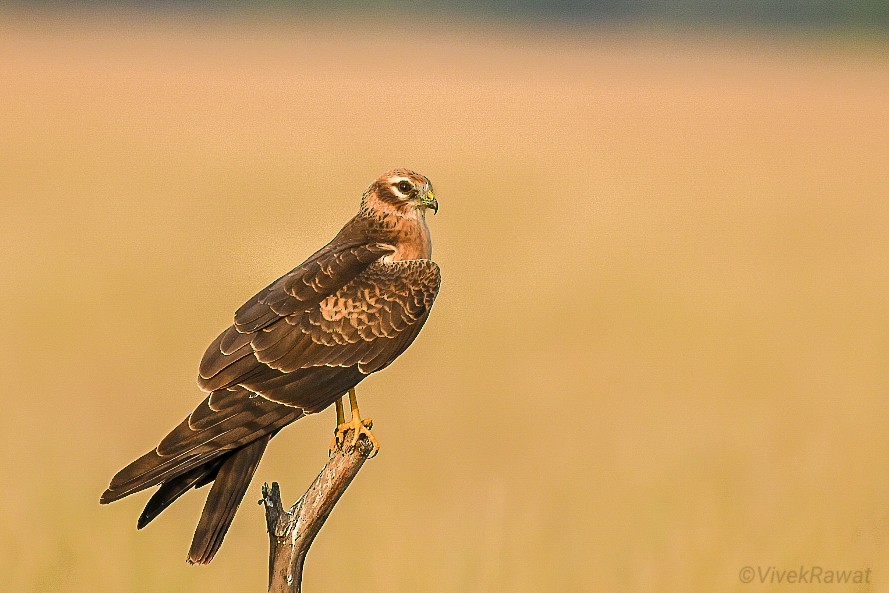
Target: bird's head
[[402, 190]]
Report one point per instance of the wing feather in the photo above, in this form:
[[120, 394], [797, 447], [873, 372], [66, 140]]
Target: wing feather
[[364, 324], [297, 291], [323, 273]]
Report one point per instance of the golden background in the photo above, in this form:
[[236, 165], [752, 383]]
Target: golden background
[[661, 348]]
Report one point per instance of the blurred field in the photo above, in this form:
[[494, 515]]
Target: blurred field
[[660, 351]]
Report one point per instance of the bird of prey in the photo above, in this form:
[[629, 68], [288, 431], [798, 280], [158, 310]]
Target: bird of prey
[[299, 345]]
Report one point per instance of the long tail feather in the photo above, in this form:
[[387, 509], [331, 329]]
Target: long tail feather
[[176, 487], [228, 489]]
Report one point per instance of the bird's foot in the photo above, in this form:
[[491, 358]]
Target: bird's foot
[[359, 428]]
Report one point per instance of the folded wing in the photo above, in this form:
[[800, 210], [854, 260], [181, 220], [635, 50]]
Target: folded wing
[[293, 349], [319, 346]]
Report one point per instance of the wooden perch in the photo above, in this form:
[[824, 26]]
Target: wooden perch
[[291, 532]]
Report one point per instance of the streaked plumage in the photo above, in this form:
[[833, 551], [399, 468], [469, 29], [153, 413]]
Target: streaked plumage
[[294, 348]]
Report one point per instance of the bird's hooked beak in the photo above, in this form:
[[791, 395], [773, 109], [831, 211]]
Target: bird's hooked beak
[[430, 202]]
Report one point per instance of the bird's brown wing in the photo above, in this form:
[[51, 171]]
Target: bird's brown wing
[[324, 273], [313, 353], [323, 340], [232, 416]]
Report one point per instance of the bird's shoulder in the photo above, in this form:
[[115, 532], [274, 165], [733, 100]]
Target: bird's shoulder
[[420, 272], [386, 298], [322, 274]]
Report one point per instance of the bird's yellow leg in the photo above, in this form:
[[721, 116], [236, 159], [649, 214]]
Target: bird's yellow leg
[[340, 420], [359, 426], [340, 416]]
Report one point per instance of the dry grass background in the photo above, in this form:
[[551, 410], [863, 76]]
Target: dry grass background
[[660, 351]]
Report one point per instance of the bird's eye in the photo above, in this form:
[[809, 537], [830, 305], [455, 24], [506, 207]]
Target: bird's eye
[[405, 187]]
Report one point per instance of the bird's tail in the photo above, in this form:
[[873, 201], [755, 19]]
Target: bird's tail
[[228, 489], [175, 487]]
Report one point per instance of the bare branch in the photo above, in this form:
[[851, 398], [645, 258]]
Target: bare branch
[[291, 532]]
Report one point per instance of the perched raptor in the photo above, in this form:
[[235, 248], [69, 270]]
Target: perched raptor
[[299, 345]]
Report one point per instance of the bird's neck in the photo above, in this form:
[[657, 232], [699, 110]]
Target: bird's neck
[[413, 239], [406, 230]]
